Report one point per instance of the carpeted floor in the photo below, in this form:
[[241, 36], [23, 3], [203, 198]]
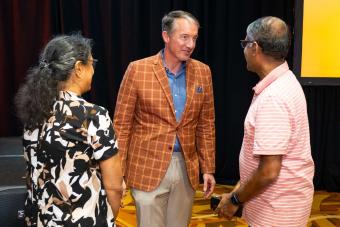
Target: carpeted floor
[[325, 212]]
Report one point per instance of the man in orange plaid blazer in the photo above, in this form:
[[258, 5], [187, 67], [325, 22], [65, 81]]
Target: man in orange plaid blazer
[[165, 123]]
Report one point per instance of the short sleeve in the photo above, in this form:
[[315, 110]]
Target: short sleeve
[[272, 127], [101, 135]]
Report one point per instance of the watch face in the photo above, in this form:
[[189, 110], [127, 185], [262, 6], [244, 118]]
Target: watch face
[[234, 200]]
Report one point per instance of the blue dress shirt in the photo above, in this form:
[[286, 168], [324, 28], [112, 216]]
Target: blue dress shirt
[[177, 85]]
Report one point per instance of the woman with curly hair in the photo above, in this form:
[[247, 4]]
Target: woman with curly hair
[[74, 173]]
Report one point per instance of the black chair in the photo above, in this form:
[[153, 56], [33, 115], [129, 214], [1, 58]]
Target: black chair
[[12, 182], [11, 146], [12, 202], [12, 163]]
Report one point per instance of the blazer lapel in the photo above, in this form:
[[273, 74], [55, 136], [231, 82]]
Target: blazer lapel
[[190, 86], [163, 80]]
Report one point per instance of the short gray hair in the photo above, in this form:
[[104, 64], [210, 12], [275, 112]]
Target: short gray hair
[[169, 19], [272, 35]]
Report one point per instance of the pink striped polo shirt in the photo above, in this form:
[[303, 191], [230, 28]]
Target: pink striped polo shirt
[[277, 124]]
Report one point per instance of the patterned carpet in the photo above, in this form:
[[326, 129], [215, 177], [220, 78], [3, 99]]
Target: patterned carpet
[[325, 211]]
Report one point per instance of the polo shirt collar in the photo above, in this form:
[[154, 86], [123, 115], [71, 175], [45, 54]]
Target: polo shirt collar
[[183, 65], [271, 77]]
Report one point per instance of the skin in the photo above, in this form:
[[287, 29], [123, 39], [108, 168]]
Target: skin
[[266, 173], [269, 165], [111, 171], [179, 45], [79, 82], [258, 62], [80, 79]]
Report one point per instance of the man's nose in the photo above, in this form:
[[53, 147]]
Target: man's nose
[[191, 43]]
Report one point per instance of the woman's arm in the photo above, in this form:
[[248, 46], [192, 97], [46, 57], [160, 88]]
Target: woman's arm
[[112, 178]]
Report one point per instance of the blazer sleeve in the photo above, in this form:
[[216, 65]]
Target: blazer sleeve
[[205, 130], [124, 113]]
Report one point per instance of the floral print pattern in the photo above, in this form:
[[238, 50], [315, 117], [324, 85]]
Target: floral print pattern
[[64, 182]]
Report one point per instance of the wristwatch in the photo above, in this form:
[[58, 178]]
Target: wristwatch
[[234, 199]]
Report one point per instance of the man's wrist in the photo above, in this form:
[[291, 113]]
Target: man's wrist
[[235, 200]]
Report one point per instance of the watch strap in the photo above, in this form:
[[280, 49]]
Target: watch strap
[[234, 199]]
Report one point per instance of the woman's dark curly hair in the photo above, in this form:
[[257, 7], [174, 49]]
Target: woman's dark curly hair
[[35, 98]]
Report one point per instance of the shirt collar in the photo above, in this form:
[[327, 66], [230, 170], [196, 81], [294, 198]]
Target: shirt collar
[[68, 95], [183, 65], [271, 77]]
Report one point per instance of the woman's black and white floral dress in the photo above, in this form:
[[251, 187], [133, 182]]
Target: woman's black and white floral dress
[[64, 182]]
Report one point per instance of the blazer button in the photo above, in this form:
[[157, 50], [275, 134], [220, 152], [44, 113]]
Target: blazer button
[[170, 148]]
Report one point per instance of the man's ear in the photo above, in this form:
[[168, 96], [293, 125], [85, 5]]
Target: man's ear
[[257, 48], [78, 69], [165, 36]]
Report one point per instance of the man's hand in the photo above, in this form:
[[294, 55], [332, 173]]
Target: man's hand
[[226, 209], [209, 184]]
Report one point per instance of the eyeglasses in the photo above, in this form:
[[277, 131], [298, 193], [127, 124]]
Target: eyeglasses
[[244, 43], [94, 62]]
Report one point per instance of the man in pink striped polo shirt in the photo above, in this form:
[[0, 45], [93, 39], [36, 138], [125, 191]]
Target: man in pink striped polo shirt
[[276, 166]]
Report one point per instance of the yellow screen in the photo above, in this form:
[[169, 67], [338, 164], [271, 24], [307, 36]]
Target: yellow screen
[[321, 39]]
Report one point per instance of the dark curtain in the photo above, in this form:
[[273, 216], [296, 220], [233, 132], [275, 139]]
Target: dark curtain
[[24, 29], [126, 30]]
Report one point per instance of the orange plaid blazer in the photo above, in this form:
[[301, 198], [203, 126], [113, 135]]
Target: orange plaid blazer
[[146, 126]]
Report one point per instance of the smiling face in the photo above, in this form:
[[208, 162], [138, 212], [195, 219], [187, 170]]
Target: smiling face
[[181, 41]]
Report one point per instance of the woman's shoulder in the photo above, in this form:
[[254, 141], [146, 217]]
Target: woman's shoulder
[[95, 109], [78, 105], [80, 114]]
